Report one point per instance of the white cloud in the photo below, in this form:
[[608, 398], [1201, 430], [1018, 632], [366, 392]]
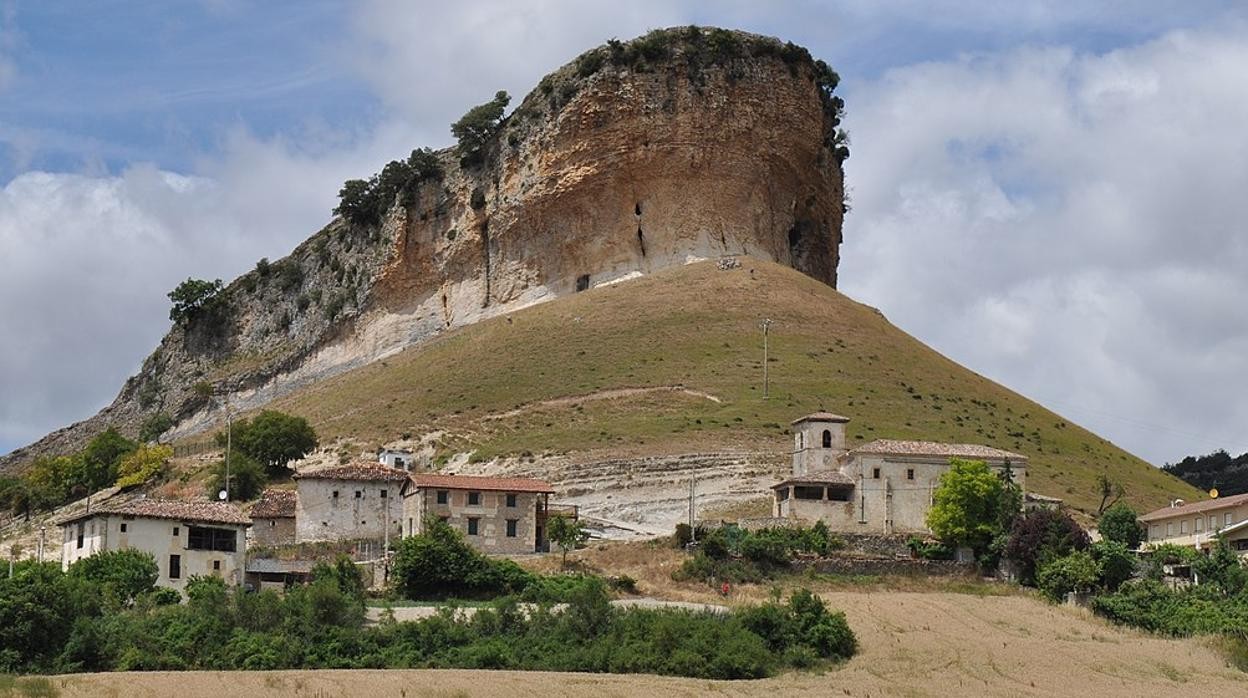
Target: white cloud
[[1071, 225]]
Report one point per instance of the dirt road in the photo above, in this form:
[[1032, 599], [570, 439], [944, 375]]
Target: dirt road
[[912, 644]]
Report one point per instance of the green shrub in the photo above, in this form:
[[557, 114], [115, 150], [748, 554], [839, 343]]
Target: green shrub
[[247, 478], [121, 574], [1077, 571], [154, 426], [1117, 563], [438, 563]]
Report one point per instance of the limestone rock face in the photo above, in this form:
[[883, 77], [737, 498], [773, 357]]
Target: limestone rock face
[[602, 173]]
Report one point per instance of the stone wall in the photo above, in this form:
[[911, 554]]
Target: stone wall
[[897, 566]]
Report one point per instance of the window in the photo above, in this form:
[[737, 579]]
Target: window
[[1183, 527], [384, 493], [1229, 518], [909, 473], [272, 523], [511, 501], [1154, 532], [82, 529], [1169, 529], [472, 525], [442, 496], [875, 473], [205, 538], [1197, 523], [123, 527], [782, 494], [474, 498], [175, 566], [335, 494], [358, 494], [827, 438], [838, 494], [216, 565], [1213, 523], [511, 528], [175, 531], [807, 492]]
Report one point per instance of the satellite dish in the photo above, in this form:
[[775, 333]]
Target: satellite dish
[[221, 495], [1213, 493]]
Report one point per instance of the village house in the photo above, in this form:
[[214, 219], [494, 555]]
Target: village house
[[1199, 523], [393, 458], [273, 518], [359, 501], [496, 515], [885, 486], [187, 538]]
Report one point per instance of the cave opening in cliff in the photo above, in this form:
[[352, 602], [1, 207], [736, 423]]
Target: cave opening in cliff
[[641, 240], [582, 282], [637, 209]]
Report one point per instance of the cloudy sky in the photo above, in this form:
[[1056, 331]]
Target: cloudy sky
[[1053, 194]]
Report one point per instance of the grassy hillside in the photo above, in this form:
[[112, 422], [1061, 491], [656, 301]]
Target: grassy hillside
[[673, 363]]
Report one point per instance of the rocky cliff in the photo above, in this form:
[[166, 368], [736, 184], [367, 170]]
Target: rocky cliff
[[677, 146]]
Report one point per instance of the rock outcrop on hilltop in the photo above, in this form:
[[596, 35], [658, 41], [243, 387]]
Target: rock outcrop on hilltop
[[681, 145]]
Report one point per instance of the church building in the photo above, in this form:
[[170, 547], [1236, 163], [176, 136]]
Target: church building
[[884, 486]]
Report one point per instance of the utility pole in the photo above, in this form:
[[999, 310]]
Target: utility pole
[[229, 445], [42, 532], [766, 325], [693, 514]]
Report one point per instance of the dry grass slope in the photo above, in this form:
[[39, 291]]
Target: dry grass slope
[[501, 387]]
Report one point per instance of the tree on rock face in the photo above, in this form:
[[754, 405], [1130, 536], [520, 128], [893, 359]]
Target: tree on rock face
[[475, 129], [966, 507], [193, 299]]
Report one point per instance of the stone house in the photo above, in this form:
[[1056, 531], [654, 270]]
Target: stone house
[[273, 518], [187, 538], [1197, 524], [359, 501], [885, 486], [496, 515]]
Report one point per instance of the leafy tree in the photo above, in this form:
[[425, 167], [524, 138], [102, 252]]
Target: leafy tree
[[121, 574], [1117, 563], [567, 533], [193, 299], [1119, 523], [1040, 536], [144, 464], [967, 505], [247, 478], [273, 439], [1221, 568], [102, 456], [38, 605], [477, 127], [1076, 571], [154, 426], [438, 562]]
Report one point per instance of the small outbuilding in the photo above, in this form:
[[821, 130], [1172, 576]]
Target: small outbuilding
[[273, 518]]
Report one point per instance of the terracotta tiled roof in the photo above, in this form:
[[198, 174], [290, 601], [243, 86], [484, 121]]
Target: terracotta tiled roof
[[275, 504], [470, 482], [201, 511], [1195, 507], [826, 477], [894, 447], [363, 471], [821, 417]]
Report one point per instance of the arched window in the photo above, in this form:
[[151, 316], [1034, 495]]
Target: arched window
[[801, 443], [827, 439]]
